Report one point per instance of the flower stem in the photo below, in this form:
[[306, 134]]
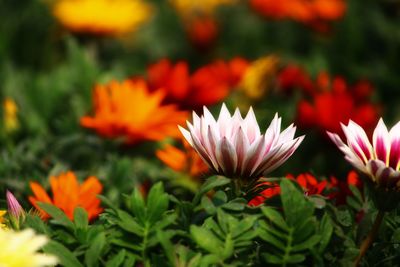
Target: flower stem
[[371, 236]]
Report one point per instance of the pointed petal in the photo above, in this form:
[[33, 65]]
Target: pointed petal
[[381, 142], [226, 156], [252, 128]]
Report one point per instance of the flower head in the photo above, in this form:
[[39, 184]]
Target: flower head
[[68, 194], [14, 208], [333, 101], [19, 249], [207, 85], [102, 17], [129, 110], [234, 147], [379, 160]]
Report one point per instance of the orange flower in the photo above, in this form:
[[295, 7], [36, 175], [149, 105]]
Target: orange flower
[[68, 194], [311, 12], [185, 160], [208, 85], [130, 111], [102, 17]]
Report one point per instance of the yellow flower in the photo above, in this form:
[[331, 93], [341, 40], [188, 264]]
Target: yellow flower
[[258, 76], [102, 17], [2, 220], [198, 7], [10, 111], [19, 249]]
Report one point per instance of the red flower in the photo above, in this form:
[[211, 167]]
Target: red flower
[[310, 185], [202, 32], [294, 77], [342, 188], [333, 102], [208, 85]]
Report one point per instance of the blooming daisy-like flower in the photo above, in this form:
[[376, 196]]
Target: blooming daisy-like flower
[[234, 147], [380, 160], [19, 249], [130, 111], [102, 17], [68, 194]]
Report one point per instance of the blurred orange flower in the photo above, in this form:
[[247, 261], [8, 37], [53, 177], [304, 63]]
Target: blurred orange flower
[[185, 160], [129, 110], [68, 194], [102, 17], [311, 12], [208, 85]]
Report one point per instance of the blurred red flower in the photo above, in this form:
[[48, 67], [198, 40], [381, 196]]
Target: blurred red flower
[[316, 13], [202, 32], [207, 85], [334, 102]]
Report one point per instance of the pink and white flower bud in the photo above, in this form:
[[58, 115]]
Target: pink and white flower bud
[[14, 208], [379, 160], [234, 147]]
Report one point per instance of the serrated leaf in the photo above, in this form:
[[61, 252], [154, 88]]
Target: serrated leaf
[[208, 205], [116, 260], [295, 206], [138, 206], [92, 255], [65, 257], [267, 236], [238, 204], [325, 231], [243, 226], [212, 182], [274, 216], [308, 244], [128, 223], [205, 239], [59, 217], [157, 203]]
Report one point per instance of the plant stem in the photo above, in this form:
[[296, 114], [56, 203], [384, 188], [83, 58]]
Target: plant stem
[[371, 236]]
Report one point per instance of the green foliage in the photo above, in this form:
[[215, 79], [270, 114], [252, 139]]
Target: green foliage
[[290, 237]]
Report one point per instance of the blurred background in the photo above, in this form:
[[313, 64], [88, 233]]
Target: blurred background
[[316, 62]]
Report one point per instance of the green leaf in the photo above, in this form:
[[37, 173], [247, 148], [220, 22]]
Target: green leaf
[[128, 223], [138, 206], [117, 260], [93, 254], [65, 257], [308, 244], [212, 182], [59, 217], [206, 240], [157, 203], [274, 216], [325, 231], [296, 207], [81, 218]]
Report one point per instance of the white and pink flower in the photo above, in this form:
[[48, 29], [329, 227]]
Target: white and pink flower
[[234, 147], [381, 159]]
